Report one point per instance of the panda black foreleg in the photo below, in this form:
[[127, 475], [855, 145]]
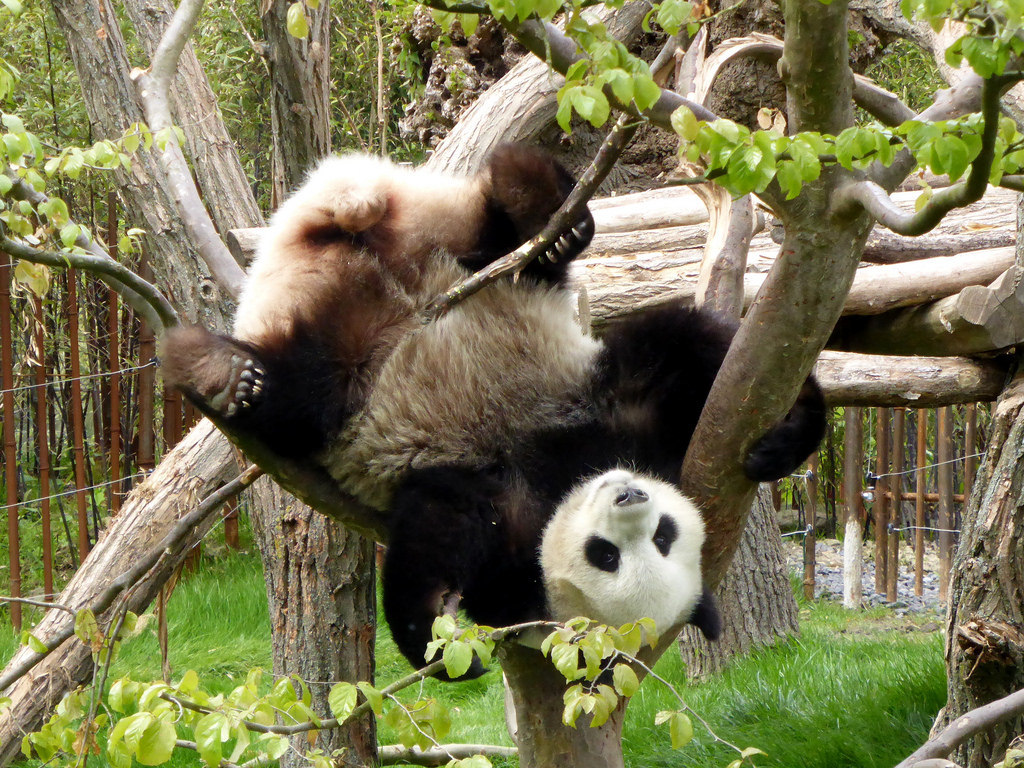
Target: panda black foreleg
[[788, 444], [289, 398], [443, 529], [655, 374]]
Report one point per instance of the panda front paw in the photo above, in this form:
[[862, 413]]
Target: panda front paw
[[571, 243]]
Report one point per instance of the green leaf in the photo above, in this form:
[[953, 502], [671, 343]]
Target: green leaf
[[373, 696], [625, 680], [679, 726], [13, 6], [342, 700], [646, 92], [33, 642], [565, 657], [274, 745], [684, 122], [457, 658], [157, 743], [5, 184], [207, 733], [469, 22], [672, 14], [295, 21], [68, 235]]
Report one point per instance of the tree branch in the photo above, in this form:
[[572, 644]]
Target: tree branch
[[24, 191], [153, 86], [395, 755], [568, 213], [144, 297], [968, 725], [874, 199]]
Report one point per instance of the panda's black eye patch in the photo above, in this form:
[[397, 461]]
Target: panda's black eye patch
[[602, 554], [665, 535]]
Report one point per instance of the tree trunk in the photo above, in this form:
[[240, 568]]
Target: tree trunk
[[321, 588], [985, 631], [215, 164], [300, 76], [112, 104], [754, 597]]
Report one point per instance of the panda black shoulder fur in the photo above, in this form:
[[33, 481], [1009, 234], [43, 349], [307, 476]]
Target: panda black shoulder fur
[[470, 430], [622, 546]]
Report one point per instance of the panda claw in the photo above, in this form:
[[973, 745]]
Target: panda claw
[[576, 231]]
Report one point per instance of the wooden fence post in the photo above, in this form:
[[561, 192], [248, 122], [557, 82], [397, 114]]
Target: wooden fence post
[[896, 486], [970, 448], [944, 457], [77, 421], [881, 500], [10, 442], [919, 518], [811, 537], [43, 442], [853, 545]]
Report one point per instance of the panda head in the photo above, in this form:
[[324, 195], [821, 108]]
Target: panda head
[[622, 546]]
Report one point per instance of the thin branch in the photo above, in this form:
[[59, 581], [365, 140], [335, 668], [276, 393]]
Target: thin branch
[[154, 86], [144, 297], [37, 603], [1014, 182], [874, 199], [174, 538], [398, 755], [22, 190], [967, 726], [569, 213]]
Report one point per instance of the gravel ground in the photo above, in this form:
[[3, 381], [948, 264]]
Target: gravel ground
[[829, 575]]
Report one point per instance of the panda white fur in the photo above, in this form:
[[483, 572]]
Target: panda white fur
[[467, 431], [623, 546]]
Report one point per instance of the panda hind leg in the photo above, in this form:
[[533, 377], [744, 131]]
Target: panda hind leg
[[441, 534], [218, 373]]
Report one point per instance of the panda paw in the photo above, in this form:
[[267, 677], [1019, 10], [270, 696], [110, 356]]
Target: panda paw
[[244, 387], [358, 208], [571, 243]]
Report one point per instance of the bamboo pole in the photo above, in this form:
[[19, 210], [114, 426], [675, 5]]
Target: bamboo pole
[[114, 356], [919, 518], [896, 489], [10, 444], [43, 443], [944, 456], [77, 422], [146, 456], [970, 448], [882, 418], [812, 520]]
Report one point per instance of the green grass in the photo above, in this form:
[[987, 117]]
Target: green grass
[[856, 689]]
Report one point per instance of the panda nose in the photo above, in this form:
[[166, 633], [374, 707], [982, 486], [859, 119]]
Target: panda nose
[[630, 495]]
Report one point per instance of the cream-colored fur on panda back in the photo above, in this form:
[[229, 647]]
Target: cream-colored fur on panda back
[[623, 510]]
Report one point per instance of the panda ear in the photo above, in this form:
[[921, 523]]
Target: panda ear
[[706, 616]]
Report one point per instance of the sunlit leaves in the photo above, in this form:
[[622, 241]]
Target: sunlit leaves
[[680, 727], [295, 21]]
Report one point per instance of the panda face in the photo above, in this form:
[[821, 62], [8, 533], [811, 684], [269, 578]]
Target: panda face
[[622, 546]]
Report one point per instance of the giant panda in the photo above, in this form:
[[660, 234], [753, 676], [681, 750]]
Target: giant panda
[[622, 546], [467, 431]]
